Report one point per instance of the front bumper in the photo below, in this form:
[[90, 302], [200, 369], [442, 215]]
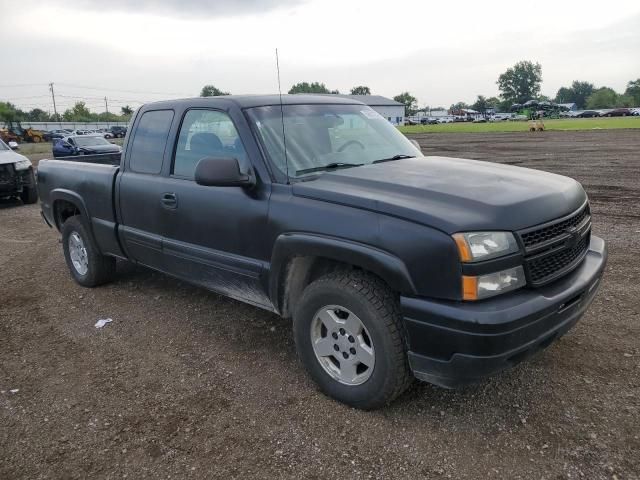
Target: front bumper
[[14, 183], [456, 343]]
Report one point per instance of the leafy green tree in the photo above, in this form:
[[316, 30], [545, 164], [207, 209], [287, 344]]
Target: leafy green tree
[[480, 104], [577, 93], [603, 97], [564, 95], [313, 87], [212, 91], [37, 115], [8, 112], [78, 113], [456, 107], [581, 91], [493, 102], [126, 111], [410, 102], [361, 90], [108, 117], [633, 91], [520, 82]]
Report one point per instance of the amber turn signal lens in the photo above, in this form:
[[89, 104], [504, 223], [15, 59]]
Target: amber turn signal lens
[[463, 247], [469, 288]]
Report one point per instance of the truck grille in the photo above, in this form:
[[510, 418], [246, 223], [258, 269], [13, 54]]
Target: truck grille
[[547, 266], [550, 232], [554, 249]]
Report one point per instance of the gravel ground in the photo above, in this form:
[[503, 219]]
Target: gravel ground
[[187, 384]]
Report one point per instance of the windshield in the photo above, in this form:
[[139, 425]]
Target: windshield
[[323, 137], [90, 141]]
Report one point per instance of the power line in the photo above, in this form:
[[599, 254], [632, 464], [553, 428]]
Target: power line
[[24, 85], [119, 90]]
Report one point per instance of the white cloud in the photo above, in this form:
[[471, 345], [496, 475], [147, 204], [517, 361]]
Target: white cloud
[[441, 52]]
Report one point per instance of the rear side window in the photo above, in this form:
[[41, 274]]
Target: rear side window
[[150, 141]]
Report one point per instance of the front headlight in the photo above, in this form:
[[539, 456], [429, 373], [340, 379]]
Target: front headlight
[[478, 246], [485, 286], [22, 165]]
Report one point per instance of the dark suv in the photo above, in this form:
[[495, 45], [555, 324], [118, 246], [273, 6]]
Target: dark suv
[[118, 132]]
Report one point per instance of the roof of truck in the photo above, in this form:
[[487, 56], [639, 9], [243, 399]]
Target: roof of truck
[[248, 101]]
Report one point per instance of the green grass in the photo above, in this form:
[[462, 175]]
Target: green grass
[[522, 126]]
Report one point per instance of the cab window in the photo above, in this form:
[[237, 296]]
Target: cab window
[[205, 133], [150, 140]]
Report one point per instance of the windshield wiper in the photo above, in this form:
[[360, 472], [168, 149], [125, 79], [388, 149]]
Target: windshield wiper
[[395, 157], [328, 166]]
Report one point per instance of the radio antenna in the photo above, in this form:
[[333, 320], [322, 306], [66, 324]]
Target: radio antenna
[[284, 138]]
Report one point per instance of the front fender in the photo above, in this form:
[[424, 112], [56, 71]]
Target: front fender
[[385, 265]]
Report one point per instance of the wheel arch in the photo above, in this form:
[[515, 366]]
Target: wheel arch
[[66, 203], [300, 258]]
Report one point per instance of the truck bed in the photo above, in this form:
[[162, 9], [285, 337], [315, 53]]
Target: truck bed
[[101, 158], [90, 185]]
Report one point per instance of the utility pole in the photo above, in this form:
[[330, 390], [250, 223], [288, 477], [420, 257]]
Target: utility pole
[[106, 105], [53, 97]]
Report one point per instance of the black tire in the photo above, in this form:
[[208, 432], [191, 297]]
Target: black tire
[[378, 309], [29, 193], [101, 269]]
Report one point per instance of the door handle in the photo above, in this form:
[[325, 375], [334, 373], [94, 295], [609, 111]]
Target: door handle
[[169, 200]]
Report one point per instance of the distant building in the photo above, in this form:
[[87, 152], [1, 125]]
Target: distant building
[[440, 112], [389, 109]]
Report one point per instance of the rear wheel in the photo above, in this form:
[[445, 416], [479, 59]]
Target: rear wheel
[[349, 336], [87, 265]]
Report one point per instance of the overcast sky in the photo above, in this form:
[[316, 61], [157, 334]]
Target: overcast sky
[[442, 52]]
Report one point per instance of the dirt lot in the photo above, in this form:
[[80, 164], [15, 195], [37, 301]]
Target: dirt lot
[[187, 384]]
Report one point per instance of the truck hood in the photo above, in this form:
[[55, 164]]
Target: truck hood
[[450, 194], [9, 156]]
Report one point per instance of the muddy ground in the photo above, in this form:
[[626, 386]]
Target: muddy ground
[[187, 384]]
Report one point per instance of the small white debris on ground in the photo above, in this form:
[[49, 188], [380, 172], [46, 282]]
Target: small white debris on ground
[[102, 322]]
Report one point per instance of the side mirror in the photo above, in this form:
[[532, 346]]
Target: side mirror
[[221, 172], [13, 145], [416, 144]]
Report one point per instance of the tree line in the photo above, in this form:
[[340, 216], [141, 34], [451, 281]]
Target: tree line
[[78, 113], [518, 84], [523, 82]]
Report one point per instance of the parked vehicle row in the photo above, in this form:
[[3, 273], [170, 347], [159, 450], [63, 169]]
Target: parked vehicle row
[[616, 112], [83, 145], [52, 135]]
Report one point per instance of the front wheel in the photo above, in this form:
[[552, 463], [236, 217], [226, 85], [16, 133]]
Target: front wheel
[[87, 265], [349, 337]]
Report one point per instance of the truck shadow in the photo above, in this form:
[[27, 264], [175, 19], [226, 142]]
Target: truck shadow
[[10, 202], [249, 332]]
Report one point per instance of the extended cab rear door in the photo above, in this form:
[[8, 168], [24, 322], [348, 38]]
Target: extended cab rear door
[[141, 193]]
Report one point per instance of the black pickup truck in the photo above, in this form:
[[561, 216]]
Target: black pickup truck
[[392, 265]]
